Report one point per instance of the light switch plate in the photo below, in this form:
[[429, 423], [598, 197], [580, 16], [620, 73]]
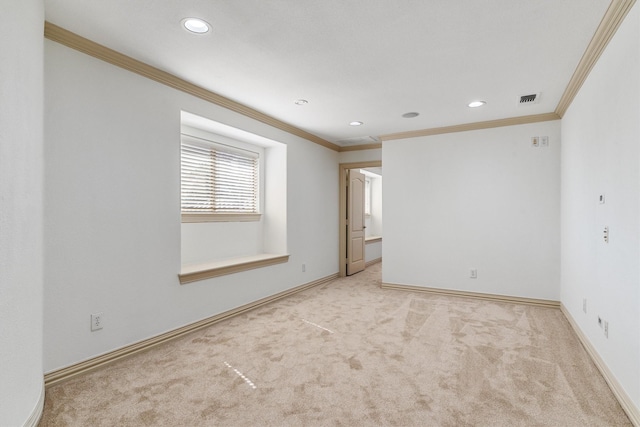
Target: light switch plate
[[544, 141]]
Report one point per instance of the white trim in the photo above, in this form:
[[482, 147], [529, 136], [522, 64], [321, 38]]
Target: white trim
[[623, 398], [36, 414]]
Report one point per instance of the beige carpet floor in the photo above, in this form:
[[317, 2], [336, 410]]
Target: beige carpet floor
[[351, 354]]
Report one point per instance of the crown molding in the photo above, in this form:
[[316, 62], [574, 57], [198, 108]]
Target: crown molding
[[473, 126], [81, 44], [615, 14]]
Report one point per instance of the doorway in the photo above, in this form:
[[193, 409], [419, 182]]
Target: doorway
[[343, 169]]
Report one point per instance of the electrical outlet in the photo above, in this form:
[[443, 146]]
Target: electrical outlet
[[584, 305], [535, 141], [605, 234], [601, 199], [96, 321], [606, 329], [473, 273], [600, 321]]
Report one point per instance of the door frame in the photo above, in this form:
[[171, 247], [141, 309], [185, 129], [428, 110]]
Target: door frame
[[343, 167]]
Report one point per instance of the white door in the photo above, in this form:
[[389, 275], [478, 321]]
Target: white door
[[355, 222]]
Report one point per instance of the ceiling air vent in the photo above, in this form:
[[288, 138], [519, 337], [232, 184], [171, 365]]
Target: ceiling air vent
[[534, 98]]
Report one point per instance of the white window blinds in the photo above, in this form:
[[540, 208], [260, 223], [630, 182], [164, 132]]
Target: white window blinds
[[217, 178]]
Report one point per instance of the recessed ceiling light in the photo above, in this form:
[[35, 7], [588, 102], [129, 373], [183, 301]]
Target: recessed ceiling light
[[476, 104], [355, 124], [410, 115], [301, 102], [196, 25]]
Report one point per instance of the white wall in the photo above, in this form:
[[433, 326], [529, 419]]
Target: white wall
[[21, 100], [274, 239], [600, 154], [360, 156], [372, 251], [112, 241], [482, 199], [214, 241]]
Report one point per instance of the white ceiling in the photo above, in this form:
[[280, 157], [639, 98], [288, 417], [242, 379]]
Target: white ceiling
[[366, 60]]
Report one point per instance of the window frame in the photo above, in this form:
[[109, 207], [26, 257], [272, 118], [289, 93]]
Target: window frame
[[233, 145], [367, 196]]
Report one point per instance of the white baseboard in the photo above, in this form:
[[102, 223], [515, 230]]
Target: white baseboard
[[623, 398], [36, 414], [80, 368]]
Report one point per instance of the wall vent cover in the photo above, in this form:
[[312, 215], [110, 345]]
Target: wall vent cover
[[533, 98]]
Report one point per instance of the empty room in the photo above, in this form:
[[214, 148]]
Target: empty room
[[320, 213]]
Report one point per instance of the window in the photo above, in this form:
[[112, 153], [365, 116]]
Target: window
[[232, 220], [218, 182], [367, 196]]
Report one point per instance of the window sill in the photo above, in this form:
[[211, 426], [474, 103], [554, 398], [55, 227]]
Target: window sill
[[372, 239], [220, 217], [194, 273]]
